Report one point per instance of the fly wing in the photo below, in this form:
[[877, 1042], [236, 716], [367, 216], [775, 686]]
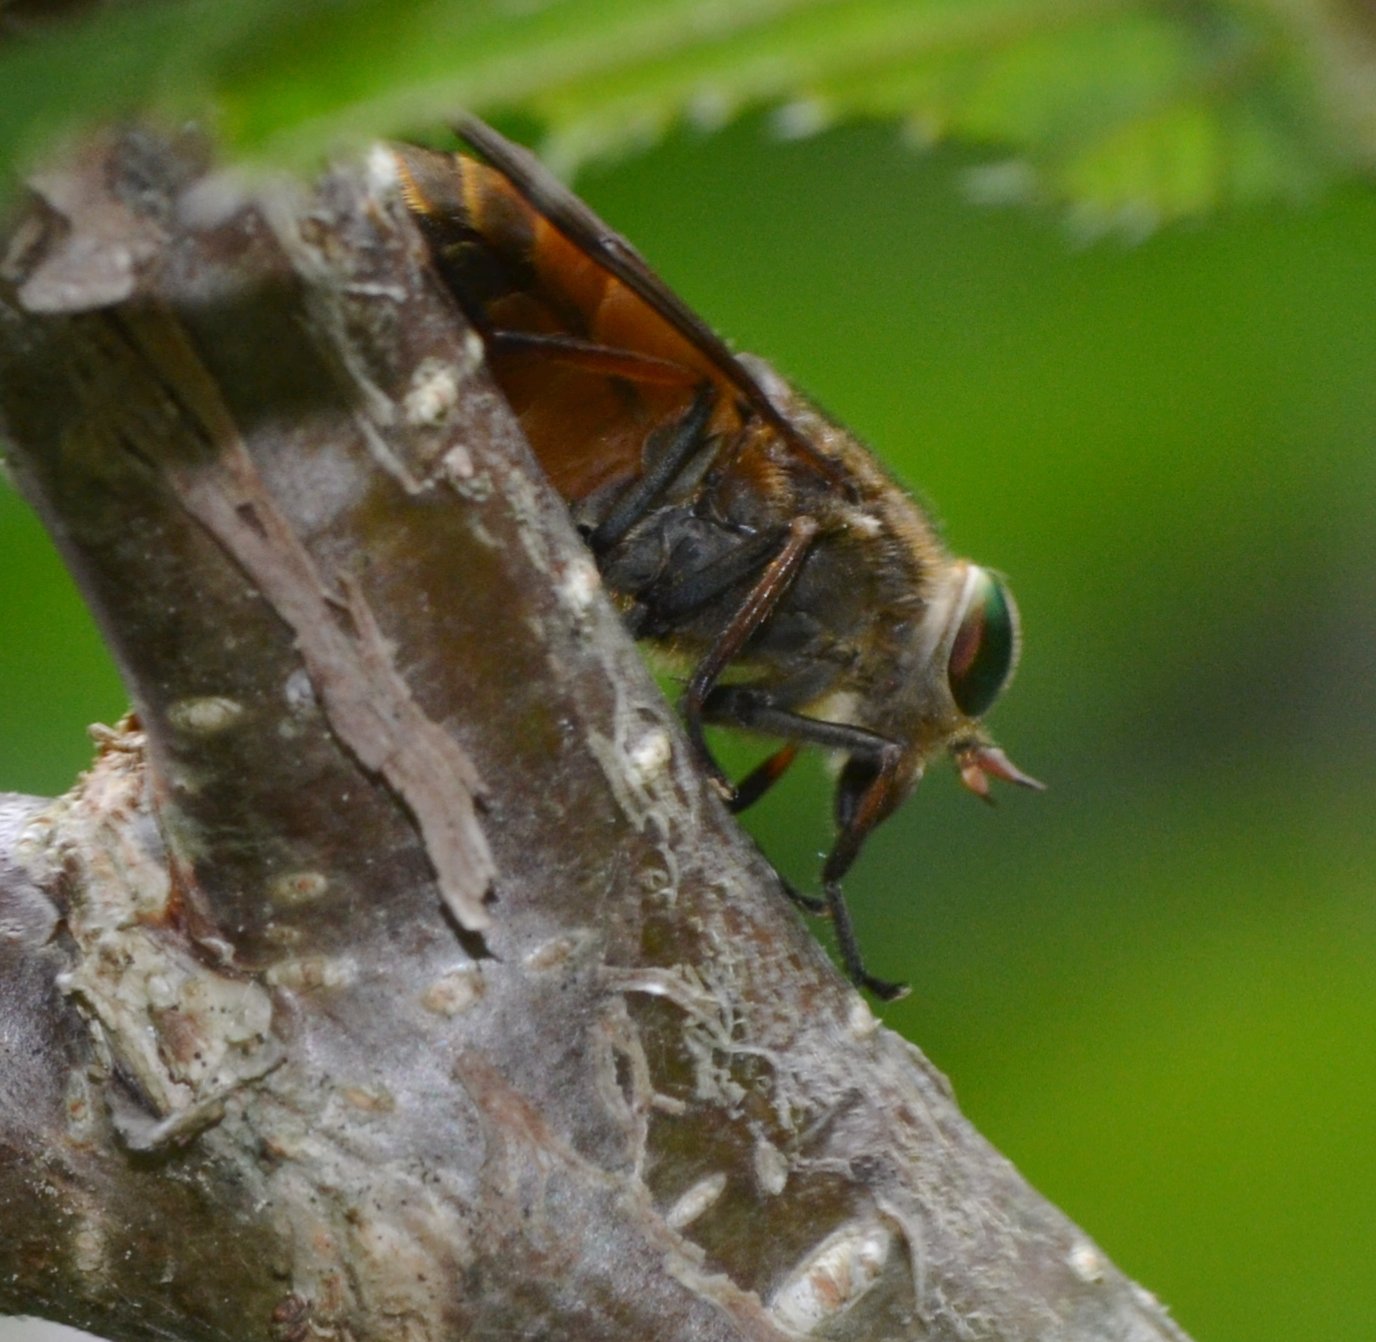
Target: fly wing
[[591, 347]]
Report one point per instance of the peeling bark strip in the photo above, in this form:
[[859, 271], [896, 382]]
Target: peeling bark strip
[[350, 663], [261, 1085]]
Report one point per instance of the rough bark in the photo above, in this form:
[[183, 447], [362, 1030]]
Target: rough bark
[[393, 973]]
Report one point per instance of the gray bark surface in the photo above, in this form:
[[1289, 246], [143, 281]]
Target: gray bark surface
[[393, 972]]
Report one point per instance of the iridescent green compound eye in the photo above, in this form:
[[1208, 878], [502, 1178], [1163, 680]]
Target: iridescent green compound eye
[[985, 649]]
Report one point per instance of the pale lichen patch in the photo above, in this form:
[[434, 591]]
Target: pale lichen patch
[[89, 1249], [369, 1099], [770, 1167], [432, 395], [648, 756], [454, 992], [578, 586], [293, 888], [860, 1020], [832, 1277], [183, 1032], [695, 1200], [1086, 1261], [206, 714], [555, 952], [312, 973]]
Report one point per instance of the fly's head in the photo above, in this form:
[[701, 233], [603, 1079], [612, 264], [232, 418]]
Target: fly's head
[[969, 644]]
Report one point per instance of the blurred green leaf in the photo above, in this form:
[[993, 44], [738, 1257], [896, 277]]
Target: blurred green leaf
[[1130, 112]]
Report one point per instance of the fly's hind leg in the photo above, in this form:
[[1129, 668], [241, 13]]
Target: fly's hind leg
[[639, 498], [751, 788], [763, 776]]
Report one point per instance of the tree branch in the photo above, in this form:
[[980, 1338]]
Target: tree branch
[[393, 973]]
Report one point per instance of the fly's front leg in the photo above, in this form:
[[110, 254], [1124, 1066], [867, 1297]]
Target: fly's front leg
[[758, 606], [887, 990], [868, 790]]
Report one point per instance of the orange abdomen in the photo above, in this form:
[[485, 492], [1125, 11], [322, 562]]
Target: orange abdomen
[[586, 415]]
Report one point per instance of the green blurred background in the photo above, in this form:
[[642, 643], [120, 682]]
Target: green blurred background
[[1154, 987]]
